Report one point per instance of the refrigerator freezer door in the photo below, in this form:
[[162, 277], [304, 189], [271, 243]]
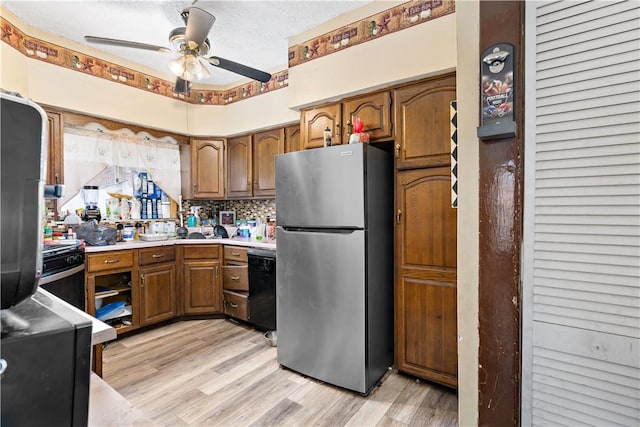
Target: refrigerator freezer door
[[320, 288], [321, 188]]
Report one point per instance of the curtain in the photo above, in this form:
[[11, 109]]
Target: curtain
[[87, 153]]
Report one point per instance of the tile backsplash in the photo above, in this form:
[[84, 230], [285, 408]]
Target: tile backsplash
[[244, 209]]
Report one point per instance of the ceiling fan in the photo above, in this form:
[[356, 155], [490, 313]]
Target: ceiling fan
[[192, 44]]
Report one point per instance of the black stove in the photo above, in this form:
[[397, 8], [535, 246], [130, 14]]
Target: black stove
[[61, 257]]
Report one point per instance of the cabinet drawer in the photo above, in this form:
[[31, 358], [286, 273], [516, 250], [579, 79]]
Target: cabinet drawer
[[156, 255], [235, 253], [109, 261], [201, 252], [235, 277], [235, 305]]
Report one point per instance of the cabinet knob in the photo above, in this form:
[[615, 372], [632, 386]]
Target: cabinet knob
[[142, 280], [348, 128], [112, 261], [398, 216], [397, 150]]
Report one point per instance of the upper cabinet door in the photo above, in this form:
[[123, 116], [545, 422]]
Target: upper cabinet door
[[314, 121], [239, 167], [207, 168], [266, 145], [55, 166], [374, 110], [422, 123], [292, 139]]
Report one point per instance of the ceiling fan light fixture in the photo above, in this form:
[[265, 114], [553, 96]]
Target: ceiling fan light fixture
[[189, 67]]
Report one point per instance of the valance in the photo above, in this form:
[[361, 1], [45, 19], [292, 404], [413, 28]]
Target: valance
[[87, 153]]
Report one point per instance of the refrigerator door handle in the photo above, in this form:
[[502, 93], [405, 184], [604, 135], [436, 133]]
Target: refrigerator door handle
[[340, 230]]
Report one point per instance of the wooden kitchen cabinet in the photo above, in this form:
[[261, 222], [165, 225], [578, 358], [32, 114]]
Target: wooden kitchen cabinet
[[157, 278], [292, 139], [266, 146], [202, 286], [251, 167], [373, 109], [111, 277], [426, 276], [375, 112], [313, 122], [422, 122], [207, 168], [239, 159]]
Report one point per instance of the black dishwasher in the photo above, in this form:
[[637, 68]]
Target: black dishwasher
[[262, 288]]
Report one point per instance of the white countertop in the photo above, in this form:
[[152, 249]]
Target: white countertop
[[138, 244]]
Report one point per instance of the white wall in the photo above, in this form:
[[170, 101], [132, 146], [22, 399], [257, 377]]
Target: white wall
[[13, 64], [420, 51], [467, 17], [255, 113], [54, 85]]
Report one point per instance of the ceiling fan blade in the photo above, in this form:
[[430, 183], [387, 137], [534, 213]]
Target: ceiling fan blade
[[199, 24], [182, 86], [126, 43], [243, 70]]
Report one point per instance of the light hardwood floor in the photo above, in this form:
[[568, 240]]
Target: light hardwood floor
[[219, 373]]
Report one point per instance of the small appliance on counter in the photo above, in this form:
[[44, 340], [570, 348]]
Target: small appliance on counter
[[90, 194]]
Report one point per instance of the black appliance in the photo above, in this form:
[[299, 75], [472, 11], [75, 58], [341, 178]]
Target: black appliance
[[262, 288], [63, 273], [220, 232], [24, 140], [47, 366]]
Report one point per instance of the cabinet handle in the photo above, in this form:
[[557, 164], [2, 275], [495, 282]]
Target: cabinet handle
[[142, 280], [195, 188], [236, 278], [157, 255], [348, 128], [216, 271], [235, 253], [232, 304], [398, 150], [398, 216], [57, 179], [112, 261], [337, 129]]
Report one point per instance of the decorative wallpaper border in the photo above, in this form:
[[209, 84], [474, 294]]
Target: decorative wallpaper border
[[80, 62], [389, 21], [392, 20]]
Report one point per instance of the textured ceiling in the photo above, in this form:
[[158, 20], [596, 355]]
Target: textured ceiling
[[253, 33]]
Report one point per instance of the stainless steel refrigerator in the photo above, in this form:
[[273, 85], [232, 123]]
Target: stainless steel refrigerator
[[334, 269]]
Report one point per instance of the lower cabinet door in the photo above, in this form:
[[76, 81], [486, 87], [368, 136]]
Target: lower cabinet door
[[157, 293], [426, 276], [202, 287]]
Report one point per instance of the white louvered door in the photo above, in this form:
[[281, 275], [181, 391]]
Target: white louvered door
[[581, 252]]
